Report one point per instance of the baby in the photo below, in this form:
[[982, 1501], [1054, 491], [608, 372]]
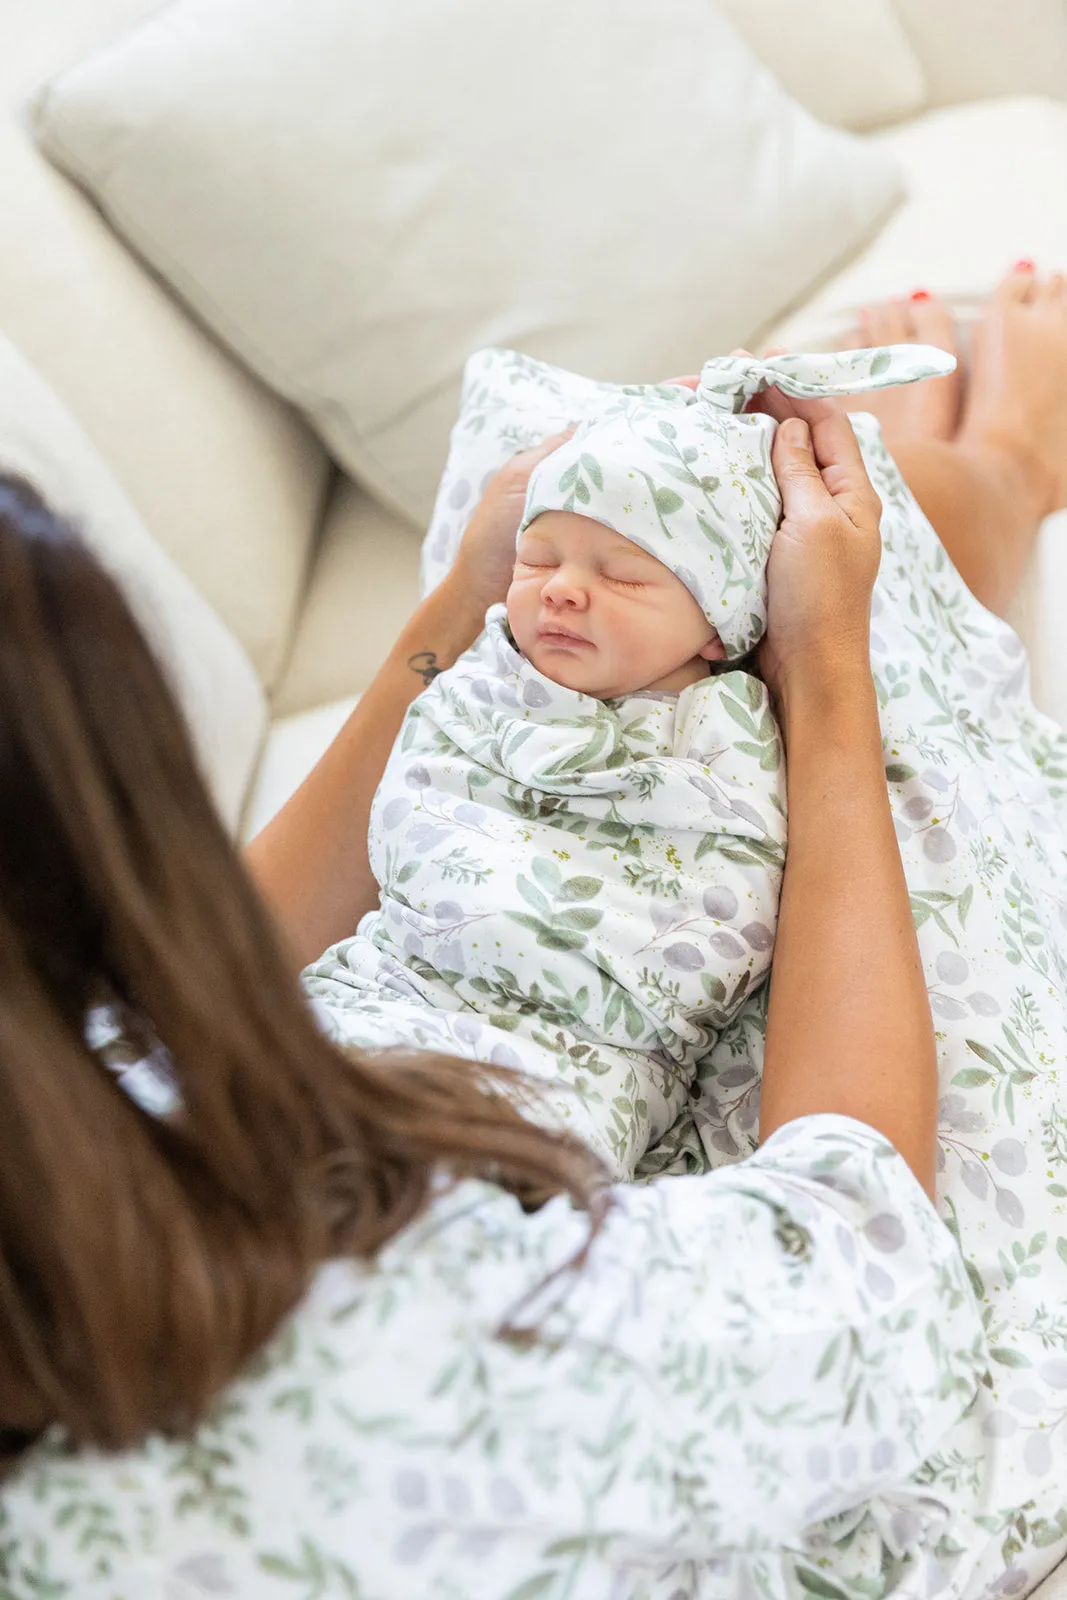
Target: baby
[[580, 832]]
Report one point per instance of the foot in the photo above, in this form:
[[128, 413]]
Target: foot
[[1016, 409], [927, 410]]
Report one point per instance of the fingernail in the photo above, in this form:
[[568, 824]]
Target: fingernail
[[1025, 265], [920, 294]]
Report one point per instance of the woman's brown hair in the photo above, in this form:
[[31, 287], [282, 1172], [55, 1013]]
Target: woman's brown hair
[[144, 1259]]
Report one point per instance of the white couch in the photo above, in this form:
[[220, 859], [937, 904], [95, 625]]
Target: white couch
[[313, 577]]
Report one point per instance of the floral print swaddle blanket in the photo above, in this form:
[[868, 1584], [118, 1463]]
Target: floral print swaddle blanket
[[585, 889], [588, 889], [977, 781]]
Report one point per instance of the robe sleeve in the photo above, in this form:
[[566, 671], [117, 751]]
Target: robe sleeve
[[778, 1343]]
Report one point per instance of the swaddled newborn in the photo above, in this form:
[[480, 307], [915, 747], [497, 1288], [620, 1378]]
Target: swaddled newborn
[[580, 833]]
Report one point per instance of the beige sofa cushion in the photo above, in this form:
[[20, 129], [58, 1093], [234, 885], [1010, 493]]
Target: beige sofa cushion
[[976, 49], [364, 585], [294, 746], [985, 187], [227, 477], [215, 681], [356, 196], [848, 61]]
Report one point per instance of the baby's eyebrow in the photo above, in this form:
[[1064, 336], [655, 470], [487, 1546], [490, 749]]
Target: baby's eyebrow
[[628, 550]]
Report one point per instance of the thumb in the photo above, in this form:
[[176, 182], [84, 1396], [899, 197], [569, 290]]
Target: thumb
[[546, 447], [799, 480]]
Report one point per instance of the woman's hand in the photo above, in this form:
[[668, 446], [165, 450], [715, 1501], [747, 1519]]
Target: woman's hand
[[482, 570], [825, 555], [844, 1035]]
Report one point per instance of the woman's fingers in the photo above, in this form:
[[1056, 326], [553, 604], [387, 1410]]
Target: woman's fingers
[[840, 459], [805, 496], [834, 450], [773, 403], [529, 458]]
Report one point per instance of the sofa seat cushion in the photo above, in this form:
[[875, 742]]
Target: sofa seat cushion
[[225, 475], [364, 584], [356, 196], [293, 746], [985, 187]]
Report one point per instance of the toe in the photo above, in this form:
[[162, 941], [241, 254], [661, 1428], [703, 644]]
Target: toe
[[933, 322], [1017, 286], [900, 328], [884, 323]]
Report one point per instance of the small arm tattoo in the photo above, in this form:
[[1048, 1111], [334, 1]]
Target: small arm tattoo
[[425, 664]]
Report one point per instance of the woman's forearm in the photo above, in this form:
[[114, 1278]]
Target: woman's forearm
[[849, 1027], [310, 861]]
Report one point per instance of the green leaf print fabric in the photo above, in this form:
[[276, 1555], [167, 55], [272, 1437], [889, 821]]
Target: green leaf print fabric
[[598, 881], [585, 889], [780, 1375], [977, 779], [745, 1357]]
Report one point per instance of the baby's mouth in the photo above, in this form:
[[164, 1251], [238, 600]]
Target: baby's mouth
[[554, 634]]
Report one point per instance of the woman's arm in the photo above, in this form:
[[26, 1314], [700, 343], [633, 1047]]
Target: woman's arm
[[310, 861], [849, 1027]]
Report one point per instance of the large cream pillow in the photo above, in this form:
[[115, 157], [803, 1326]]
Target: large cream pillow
[[848, 61], [216, 683], [356, 195]]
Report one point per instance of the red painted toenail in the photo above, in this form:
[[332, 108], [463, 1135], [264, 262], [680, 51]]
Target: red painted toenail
[[1025, 265], [921, 294]]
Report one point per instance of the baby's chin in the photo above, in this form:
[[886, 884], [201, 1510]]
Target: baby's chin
[[579, 674]]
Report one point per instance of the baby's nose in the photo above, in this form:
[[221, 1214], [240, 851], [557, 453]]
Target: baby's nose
[[564, 587]]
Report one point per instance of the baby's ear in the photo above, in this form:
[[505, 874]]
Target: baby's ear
[[714, 650]]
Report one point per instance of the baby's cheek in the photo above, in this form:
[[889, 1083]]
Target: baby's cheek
[[521, 608]]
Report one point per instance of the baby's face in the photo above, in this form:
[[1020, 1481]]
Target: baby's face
[[594, 612]]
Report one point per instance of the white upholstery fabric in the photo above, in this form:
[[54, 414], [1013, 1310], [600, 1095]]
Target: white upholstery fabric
[[271, 157], [1039, 616], [216, 683], [226, 477], [985, 186], [848, 61], [1054, 1586], [294, 746], [975, 49], [364, 585]]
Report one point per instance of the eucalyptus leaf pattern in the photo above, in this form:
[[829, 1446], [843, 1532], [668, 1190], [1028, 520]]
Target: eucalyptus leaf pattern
[[742, 1380], [977, 780], [778, 1373], [587, 889]]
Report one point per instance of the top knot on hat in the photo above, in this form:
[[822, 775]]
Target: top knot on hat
[[687, 475]]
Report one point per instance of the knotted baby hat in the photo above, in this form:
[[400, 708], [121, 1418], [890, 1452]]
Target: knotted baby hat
[[687, 474]]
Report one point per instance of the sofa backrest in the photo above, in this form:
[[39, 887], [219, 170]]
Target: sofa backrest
[[225, 476]]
